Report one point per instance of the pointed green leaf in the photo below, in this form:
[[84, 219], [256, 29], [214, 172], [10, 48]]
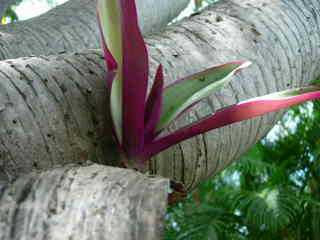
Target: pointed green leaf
[[188, 91]]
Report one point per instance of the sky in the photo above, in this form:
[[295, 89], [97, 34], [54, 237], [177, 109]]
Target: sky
[[31, 8]]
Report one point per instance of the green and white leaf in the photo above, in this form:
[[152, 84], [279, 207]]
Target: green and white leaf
[[109, 15], [188, 91]]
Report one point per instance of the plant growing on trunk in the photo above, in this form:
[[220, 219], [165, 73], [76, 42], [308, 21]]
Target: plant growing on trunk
[[138, 119]]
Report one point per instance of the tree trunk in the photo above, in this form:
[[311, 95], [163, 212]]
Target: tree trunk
[[73, 26], [54, 108], [92, 202]]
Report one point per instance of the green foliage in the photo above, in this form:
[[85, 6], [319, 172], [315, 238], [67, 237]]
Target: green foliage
[[9, 16], [273, 192]]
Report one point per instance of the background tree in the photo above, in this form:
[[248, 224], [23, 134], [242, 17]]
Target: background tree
[[271, 193]]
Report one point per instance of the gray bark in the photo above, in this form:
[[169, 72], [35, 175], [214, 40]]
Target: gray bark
[[73, 26], [92, 202], [53, 109]]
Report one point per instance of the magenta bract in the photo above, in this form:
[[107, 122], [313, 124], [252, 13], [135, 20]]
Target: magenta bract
[[236, 113], [154, 106]]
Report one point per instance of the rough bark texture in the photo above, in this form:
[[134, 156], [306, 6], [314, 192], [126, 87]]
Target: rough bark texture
[[72, 26], [92, 202], [53, 109]]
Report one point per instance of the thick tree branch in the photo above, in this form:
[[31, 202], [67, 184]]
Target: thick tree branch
[[73, 26], [92, 202], [53, 109]]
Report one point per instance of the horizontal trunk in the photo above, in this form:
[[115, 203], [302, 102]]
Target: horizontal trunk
[[73, 26], [53, 109], [92, 202]]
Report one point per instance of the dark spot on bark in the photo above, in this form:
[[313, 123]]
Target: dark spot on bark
[[90, 133], [66, 117], [202, 79], [63, 88], [49, 135], [219, 19], [89, 91], [45, 80], [207, 21], [35, 164], [175, 55], [255, 41], [288, 84], [53, 211], [255, 32], [95, 121], [14, 121], [91, 72]]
